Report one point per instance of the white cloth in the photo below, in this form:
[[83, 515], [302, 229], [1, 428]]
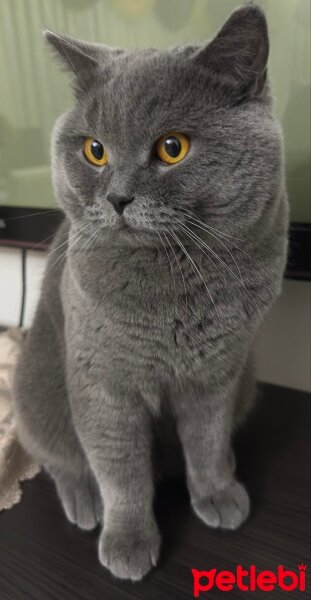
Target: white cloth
[[15, 464]]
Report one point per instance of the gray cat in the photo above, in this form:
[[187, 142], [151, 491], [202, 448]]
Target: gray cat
[[169, 168]]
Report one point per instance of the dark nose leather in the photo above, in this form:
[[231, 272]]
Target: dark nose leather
[[119, 202]]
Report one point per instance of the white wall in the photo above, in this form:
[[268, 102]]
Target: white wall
[[11, 284], [284, 340]]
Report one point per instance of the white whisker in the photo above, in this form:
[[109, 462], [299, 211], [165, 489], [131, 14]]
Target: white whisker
[[212, 252], [190, 214], [66, 242], [174, 235], [220, 234], [34, 214], [196, 239], [222, 243], [169, 260], [179, 266]]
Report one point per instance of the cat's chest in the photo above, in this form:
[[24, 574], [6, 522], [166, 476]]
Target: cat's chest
[[144, 317], [153, 334]]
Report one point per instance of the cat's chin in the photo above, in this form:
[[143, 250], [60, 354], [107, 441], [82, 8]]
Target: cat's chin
[[122, 225], [122, 231]]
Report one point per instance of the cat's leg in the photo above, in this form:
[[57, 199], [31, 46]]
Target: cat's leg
[[79, 495], [45, 423], [116, 433], [246, 393], [205, 426]]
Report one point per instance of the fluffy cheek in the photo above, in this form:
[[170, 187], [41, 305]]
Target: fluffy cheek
[[77, 186], [179, 194], [82, 179], [65, 192], [160, 195]]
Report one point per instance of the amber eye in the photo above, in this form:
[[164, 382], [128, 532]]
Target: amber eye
[[172, 147], [95, 152]]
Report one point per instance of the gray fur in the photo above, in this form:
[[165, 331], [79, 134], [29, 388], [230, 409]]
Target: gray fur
[[131, 339]]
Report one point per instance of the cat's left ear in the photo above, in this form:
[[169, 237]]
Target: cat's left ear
[[238, 55], [79, 57]]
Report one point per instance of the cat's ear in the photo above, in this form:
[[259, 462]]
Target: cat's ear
[[77, 56], [239, 53]]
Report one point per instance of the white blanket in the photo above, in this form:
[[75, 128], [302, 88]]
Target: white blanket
[[15, 464]]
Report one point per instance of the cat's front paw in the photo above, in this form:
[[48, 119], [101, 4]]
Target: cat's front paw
[[81, 502], [129, 555], [227, 508]]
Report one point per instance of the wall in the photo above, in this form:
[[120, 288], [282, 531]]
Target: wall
[[284, 340], [11, 284], [283, 344]]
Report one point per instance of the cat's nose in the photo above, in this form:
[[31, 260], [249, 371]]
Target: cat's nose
[[119, 202]]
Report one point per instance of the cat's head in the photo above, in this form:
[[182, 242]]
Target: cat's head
[[156, 135]]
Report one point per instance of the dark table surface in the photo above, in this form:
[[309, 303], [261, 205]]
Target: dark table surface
[[43, 557]]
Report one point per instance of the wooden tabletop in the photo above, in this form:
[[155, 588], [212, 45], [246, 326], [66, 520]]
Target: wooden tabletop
[[43, 557]]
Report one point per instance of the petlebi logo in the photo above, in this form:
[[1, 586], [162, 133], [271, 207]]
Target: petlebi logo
[[249, 580]]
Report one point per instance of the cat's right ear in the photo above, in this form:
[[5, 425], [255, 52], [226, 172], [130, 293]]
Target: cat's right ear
[[79, 57]]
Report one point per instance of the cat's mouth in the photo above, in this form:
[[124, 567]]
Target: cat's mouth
[[122, 224]]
